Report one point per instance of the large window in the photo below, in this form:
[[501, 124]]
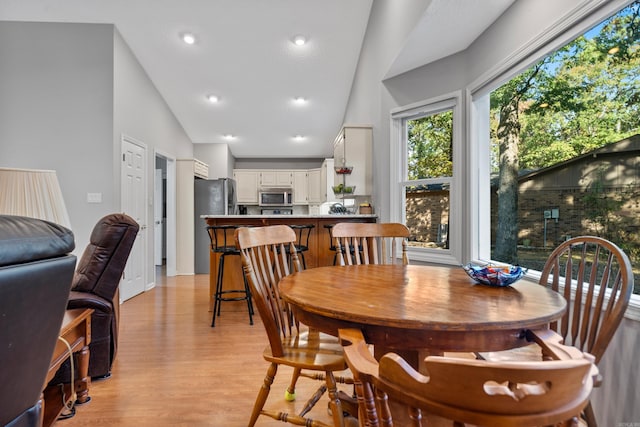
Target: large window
[[425, 188], [448, 193], [564, 147]]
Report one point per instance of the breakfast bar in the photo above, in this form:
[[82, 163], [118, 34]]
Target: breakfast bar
[[318, 255]]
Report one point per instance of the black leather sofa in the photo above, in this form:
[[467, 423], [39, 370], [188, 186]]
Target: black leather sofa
[[36, 270]]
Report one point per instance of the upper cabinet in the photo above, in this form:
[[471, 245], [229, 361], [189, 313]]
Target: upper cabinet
[[200, 169], [300, 187], [246, 185], [353, 148], [276, 178], [321, 183], [315, 188], [310, 186]]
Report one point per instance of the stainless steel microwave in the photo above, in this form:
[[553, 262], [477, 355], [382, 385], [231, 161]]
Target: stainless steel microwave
[[275, 197]]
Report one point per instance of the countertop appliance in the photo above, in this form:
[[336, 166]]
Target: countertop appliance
[[211, 197], [338, 208], [275, 197]]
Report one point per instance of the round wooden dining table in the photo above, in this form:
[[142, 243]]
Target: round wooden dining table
[[405, 308]]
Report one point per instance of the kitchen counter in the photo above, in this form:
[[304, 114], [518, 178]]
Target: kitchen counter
[[327, 216], [319, 253]]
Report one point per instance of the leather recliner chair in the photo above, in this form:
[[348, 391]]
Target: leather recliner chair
[[36, 270], [96, 285]]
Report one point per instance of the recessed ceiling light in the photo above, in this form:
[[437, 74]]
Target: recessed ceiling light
[[213, 98], [299, 40], [298, 138], [229, 137], [188, 38], [299, 100]]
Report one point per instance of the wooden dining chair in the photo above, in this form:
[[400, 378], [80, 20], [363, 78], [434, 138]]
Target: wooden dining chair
[[371, 243], [600, 279], [265, 261], [601, 283], [476, 392]]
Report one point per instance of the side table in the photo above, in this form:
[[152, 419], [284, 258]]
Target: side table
[[76, 330]]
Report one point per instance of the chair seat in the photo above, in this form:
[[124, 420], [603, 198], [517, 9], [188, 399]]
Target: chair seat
[[310, 350], [531, 352]]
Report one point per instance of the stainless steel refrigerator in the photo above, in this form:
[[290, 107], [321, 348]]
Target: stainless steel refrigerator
[[211, 197]]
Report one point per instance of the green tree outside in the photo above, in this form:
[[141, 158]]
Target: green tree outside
[[579, 98]]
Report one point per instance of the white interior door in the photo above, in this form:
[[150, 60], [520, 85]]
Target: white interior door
[[134, 204], [158, 232]]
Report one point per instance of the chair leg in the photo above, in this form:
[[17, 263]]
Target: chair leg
[[304, 263], [218, 293], [313, 400], [290, 392], [366, 404], [263, 394], [590, 416], [334, 401], [247, 292]]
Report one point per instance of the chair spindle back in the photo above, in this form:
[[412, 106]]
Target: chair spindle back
[[265, 262], [600, 280], [371, 243]]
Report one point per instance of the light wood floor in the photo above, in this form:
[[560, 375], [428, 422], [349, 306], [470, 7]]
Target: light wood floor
[[173, 369]]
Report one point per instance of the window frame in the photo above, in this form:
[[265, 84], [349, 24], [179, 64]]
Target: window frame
[[398, 171], [470, 189], [477, 95]]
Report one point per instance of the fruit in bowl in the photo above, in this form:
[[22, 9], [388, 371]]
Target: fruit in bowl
[[343, 189], [343, 170], [495, 275]]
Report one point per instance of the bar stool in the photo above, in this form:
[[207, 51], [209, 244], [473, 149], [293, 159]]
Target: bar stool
[[332, 244], [303, 231], [222, 242]]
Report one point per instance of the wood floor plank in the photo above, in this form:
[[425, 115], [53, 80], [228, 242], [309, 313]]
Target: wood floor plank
[[173, 369]]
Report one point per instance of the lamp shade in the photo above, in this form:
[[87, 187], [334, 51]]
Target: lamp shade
[[32, 193]]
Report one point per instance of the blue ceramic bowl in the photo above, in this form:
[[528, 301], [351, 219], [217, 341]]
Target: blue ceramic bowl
[[495, 275]]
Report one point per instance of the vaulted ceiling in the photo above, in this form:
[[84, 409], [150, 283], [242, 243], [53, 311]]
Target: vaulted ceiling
[[244, 54]]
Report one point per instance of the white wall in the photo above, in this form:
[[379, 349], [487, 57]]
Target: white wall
[[387, 30], [67, 94], [218, 157], [141, 113], [519, 30], [617, 401], [56, 111]]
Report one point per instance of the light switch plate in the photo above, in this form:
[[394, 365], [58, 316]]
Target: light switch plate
[[94, 197]]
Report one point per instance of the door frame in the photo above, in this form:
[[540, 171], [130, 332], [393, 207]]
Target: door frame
[[142, 233], [170, 236]]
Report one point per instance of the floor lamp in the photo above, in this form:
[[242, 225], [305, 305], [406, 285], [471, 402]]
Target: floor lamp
[[33, 193]]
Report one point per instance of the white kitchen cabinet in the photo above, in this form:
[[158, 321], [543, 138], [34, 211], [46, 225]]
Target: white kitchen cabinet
[[315, 187], [300, 187], [276, 178], [353, 147], [327, 181], [246, 186], [320, 183]]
